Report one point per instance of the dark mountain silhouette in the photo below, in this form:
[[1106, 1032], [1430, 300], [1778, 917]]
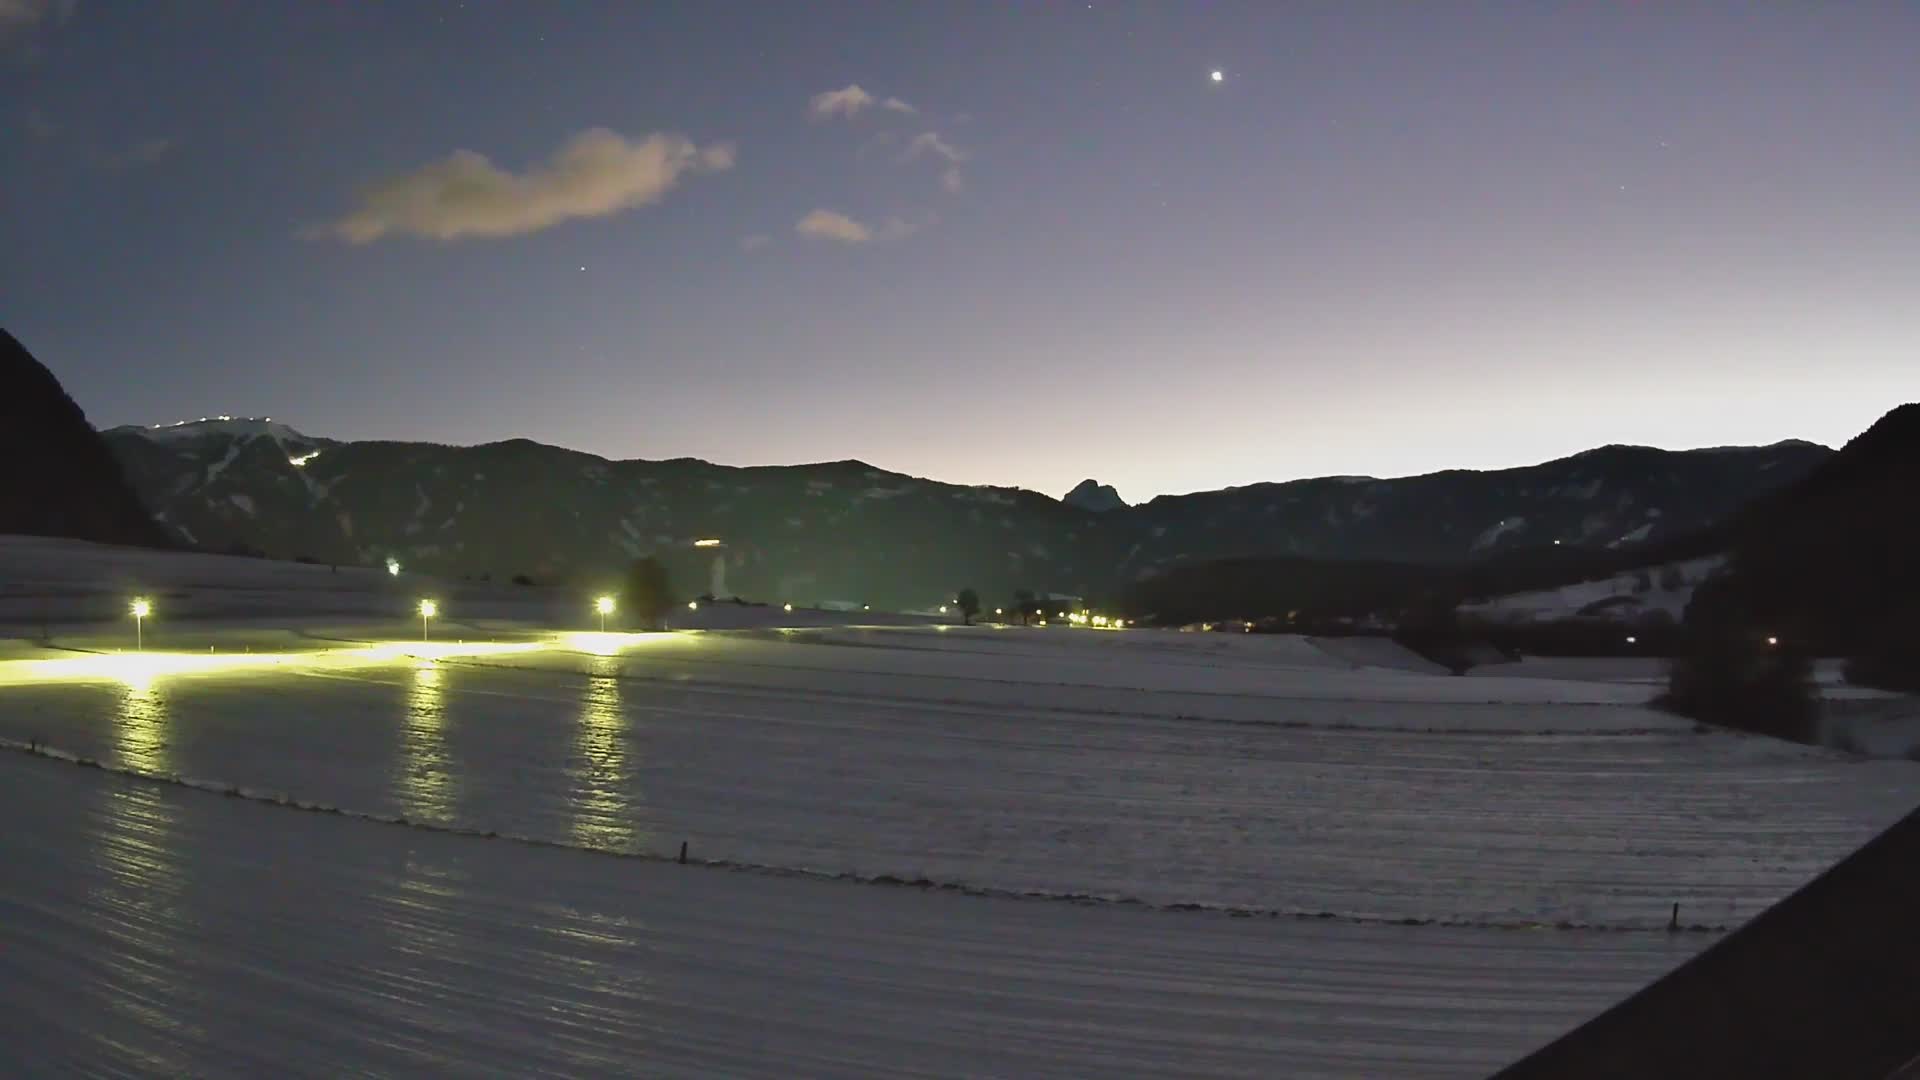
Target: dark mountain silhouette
[[1830, 560], [849, 531], [57, 476], [1094, 496]]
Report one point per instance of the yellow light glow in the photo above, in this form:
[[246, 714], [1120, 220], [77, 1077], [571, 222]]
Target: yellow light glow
[[141, 668], [604, 605], [428, 609], [706, 543], [141, 608]]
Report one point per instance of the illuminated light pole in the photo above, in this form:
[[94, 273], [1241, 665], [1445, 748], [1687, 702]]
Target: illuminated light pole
[[428, 609], [393, 567], [604, 606], [141, 609]]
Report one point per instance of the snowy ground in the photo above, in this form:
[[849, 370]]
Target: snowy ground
[[917, 849], [152, 930]]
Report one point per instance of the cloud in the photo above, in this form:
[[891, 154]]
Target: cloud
[[831, 225], [930, 144], [851, 101], [755, 242], [594, 174], [21, 16]]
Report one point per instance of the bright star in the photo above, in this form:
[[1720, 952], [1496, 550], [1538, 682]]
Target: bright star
[[1219, 76]]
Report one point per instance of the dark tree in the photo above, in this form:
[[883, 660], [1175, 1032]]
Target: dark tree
[[1742, 680], [969, 602], [1026, 604], [647, 595]]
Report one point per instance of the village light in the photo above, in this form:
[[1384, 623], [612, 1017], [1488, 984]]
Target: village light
[[693, 605], [428, 609], [141, 609], [604, 606], [786, 607], [393, 567], [1773, 640]]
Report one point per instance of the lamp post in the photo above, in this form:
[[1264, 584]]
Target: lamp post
[[604, 606], [428, 609], [141, 609]]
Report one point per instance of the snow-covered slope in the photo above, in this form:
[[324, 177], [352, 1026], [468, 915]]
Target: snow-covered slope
[[1661, 592]]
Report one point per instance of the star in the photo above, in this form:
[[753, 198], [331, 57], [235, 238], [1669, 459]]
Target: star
[[1219, 76]]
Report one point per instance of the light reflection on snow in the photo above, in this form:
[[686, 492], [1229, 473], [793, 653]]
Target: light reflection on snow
[[142, 878], [141, 729], [426, 773], [142, 668], [602, 811]]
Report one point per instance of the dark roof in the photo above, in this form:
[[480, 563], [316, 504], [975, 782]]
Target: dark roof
[[1824, 984]]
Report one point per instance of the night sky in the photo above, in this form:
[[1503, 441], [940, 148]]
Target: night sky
[[987, 243]]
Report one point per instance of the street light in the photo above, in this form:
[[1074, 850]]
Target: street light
[[141, 609], [604, 606], [1773, 641], [693, 605], [786, 607], [428, 609], [393, 567]]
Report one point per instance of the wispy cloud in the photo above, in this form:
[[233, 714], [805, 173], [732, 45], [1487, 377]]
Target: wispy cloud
[[929, 144], [851, 101], [833, 225], [594, 174]]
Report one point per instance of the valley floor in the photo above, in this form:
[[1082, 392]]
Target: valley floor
[[912, 849]]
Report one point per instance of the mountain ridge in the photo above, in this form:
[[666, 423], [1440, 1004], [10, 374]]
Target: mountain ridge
[[850, 531]]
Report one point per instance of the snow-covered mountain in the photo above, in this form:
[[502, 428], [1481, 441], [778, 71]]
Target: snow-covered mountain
[[1094, 496], [849, 531]]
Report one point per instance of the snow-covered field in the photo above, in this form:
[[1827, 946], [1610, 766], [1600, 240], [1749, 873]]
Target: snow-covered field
[[914, 849]]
